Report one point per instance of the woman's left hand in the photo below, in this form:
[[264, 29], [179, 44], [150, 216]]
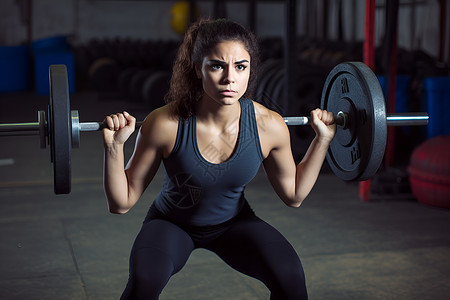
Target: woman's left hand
[[323, 124]]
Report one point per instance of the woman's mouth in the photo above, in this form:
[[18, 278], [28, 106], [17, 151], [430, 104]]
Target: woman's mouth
[[227, 92]]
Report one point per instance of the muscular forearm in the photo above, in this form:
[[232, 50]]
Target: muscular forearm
[[291, 182], [115, 179], [309, 168]]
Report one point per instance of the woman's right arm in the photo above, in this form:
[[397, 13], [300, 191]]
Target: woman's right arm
[[124, 186]]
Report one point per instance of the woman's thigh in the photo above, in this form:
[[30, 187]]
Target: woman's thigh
[[257, 249], [167, 238], [160, 250]]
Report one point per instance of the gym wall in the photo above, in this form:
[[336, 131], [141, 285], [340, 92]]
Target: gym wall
[[87, 19]]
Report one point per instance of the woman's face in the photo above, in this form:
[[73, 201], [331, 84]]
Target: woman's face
[[225, 72]]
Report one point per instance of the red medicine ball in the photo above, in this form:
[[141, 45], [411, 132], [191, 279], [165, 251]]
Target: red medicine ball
[[429, 171]]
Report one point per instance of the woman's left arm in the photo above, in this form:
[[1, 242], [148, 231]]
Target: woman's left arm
[[293, 182]]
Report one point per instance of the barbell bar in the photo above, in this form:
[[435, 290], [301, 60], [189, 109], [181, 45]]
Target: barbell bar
[[351, 92], [392, 119], [34, 128], [40, 128]]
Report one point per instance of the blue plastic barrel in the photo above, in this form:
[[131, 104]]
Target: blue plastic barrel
[[436, 100], [401, 92], [54, 43], [49, 51], [14, 68]]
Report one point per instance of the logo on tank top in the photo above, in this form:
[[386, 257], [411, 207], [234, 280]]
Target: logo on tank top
[[184, 191]]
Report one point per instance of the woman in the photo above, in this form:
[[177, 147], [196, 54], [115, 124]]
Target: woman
[[212, 140]]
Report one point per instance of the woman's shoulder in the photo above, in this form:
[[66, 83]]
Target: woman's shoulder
[[162, 114], [268, 118], [272, 129], [160, 125]]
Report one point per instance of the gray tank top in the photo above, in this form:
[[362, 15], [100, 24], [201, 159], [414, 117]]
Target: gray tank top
[[199, 193]]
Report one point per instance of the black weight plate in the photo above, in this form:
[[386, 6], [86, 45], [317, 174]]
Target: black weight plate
[[125, 78], [276, 104], [266, 97], [103, 74], [278, 91], [356, 153], [265, 75], [60, 128], [136, 83], [155, 87]]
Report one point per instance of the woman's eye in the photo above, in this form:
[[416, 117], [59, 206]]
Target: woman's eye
[[216, 67], [241, 67]]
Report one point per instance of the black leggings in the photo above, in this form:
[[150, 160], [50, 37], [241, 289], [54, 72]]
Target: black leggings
[[246, 243]]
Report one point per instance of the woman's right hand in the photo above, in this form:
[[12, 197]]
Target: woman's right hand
[[119, 128]]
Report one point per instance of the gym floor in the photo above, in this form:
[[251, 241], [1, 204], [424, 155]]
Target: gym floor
[[70, 246]]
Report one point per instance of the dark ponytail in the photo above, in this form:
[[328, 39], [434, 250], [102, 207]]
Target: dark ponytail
[[185, 87]]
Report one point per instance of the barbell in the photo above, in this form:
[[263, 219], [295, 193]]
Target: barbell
[[351, 91]]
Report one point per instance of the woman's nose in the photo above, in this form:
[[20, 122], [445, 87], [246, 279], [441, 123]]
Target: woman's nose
[[229, 75]]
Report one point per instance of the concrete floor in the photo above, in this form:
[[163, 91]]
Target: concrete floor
[[70, 247]]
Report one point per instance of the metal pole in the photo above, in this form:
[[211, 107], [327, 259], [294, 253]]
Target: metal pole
[[18, 127], [97, 126], [407, 119]]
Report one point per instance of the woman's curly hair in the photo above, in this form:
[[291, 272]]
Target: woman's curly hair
[[185, 87]]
